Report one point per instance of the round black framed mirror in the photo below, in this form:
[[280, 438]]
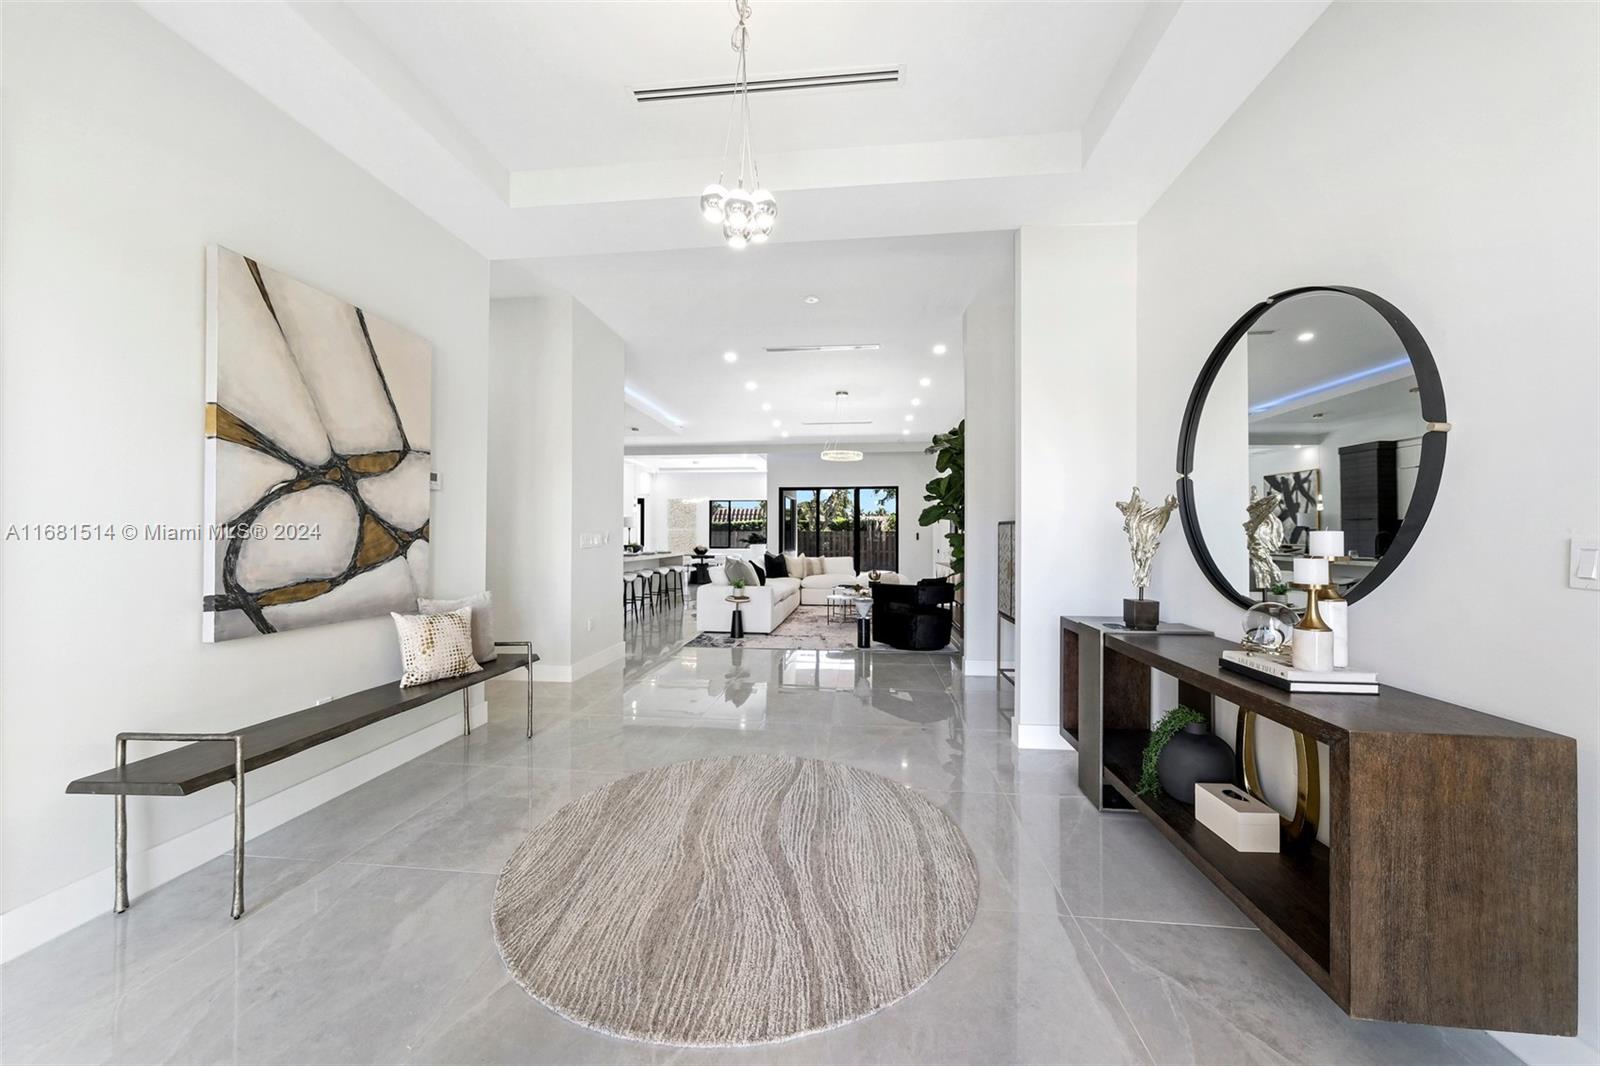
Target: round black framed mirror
[[1329, 397]]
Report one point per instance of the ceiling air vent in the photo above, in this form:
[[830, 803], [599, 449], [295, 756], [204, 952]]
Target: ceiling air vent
[[793, 83], [823, 348]]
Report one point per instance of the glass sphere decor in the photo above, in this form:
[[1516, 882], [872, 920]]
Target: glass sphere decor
[[1269, 627], [711, 202]]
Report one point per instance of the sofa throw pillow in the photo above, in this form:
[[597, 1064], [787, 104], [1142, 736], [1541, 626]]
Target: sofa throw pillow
[[482, 607], [719, 574], [435, 646], [739, 570], [777, 565], [839, 564], [761, 575]]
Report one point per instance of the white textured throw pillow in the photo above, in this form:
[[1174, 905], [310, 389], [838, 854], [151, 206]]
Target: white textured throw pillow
[[483, 648], [435, 646]]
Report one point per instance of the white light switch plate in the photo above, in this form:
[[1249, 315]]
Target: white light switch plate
[[1583, 564]]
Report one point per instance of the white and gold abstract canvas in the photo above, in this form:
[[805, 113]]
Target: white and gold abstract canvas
[[317, 456]]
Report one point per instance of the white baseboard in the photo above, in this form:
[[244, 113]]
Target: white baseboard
[[978, 667], [565, 674], [26, 927], [1549, 1050], [1038, 735]]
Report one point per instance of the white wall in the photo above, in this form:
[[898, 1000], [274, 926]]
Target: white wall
[[909, 472], [670, 485], [125, 153], [988, 347], [1075, 451], [530, 542], [597, 356], [1443, 156], [556, 463]]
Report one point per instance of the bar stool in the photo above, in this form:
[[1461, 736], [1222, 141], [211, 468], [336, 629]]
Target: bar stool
[[672, 585], [630, 598]]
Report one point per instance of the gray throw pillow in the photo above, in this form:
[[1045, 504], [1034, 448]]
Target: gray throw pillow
[[483, 648]]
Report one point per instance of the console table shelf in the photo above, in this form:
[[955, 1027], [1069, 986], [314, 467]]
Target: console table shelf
[[1285, 893], [1448, 892]]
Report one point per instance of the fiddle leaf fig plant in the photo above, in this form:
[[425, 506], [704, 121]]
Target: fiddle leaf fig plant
[[946, 495]]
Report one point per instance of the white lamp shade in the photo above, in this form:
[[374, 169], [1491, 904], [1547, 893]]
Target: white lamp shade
[[1311, 571], [1326, 543]]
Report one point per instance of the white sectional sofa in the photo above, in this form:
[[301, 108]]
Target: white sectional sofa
[[775, 601], [769, 604]]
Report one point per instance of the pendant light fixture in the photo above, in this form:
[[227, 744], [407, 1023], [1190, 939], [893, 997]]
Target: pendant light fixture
[[745, 217], [831, 452]]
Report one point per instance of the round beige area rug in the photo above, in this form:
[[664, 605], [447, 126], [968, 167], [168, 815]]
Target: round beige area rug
[[734, 901]]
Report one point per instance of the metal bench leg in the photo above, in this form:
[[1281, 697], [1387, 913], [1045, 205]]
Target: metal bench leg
[[120, 871], [466, 711], [238, 827], [526, 646], [121, 903]]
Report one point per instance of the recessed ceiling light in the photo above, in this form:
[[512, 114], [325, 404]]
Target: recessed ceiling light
[[1306, 336], [905, 433], [925, 382], [939, 349], [777, 423], [911, 418], [916, 402], [785, 433], [750, 386], [730, 357], [811, 299], [766, 407]]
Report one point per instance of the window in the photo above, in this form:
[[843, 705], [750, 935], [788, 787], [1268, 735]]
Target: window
[[862, 523], [734, 521]]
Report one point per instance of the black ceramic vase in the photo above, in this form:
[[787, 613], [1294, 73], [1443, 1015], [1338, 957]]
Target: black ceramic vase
[[1193, 755]]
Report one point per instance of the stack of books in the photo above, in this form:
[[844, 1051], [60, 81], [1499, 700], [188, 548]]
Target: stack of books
[[1276, 672]]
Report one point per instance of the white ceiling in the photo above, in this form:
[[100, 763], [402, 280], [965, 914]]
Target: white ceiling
[[679, 312], [549, 85], [511, 124], [703, 463]]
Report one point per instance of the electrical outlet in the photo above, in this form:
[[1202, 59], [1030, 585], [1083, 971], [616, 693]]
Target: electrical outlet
[[590, 626], [435, 483]]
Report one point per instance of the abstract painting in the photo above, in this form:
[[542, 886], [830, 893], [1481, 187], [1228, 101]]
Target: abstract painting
[[317, 463], [1301, 491]]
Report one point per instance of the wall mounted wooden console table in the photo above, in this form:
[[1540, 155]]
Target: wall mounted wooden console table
[[1449, 893]]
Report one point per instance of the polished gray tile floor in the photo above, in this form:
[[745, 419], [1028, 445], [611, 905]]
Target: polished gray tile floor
[[368, 935]]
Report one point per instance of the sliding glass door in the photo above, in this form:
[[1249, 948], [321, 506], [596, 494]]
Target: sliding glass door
[[862, 523]]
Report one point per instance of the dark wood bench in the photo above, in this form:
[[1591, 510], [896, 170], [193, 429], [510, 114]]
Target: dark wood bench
[[212, 758]]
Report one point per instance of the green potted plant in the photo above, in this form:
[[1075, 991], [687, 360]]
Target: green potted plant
[[738, 586], [946, 495]]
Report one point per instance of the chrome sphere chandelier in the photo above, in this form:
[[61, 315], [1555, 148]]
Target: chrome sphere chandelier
[[745, 217]]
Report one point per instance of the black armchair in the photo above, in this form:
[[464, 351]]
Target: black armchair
[[913, 617]]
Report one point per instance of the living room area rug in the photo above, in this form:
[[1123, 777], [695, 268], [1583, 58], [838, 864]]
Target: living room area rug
[[807, 628], [735, 900]]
